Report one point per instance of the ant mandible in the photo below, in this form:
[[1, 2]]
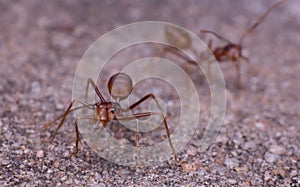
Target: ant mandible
[[232, 51], [119, 87]]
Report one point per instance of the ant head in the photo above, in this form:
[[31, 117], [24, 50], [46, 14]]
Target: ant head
[[120, 86], [234, 52], [107, 111]]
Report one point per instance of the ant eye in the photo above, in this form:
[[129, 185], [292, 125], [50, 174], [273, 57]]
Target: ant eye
[[227, 48], [112, 110]]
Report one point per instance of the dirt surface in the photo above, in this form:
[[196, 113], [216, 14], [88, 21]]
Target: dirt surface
[[41, 43]]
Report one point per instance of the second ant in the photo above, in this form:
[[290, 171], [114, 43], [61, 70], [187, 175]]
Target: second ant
[[229, 52]]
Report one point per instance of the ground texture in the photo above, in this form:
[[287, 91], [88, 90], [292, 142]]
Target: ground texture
[[41, 43]]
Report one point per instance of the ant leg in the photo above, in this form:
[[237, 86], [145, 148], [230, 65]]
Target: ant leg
[[180, 55], [188, 60], [146, 114], [209, 45], [137, 138], [141, 115], [206, 58], [169, 137], [177, 53], [142, 100], [90, 81], [63, 116], [238, 74], [245, 59], [97, 137], [216, 35], [159, 53], [77, 133], [260, 19], [60, 124], [163, 52]]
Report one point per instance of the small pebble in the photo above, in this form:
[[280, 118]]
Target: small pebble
[[243, 169], [192, 151], [277, 149], [293, 173], [66, 154], [186, 166], [260, 126], [49, 171], [222, 170], [232, 181], [56, 164], [64, 178], [278, 171], [269, 157], [13, 108], [59, 106], [35, 88], [267, 175], [249, 145], [231, 162], [5, 162], [246, 184], [40, 154]]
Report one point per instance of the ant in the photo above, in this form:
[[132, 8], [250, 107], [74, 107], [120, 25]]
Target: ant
[[230, 52], [233, 51], [119, 87]]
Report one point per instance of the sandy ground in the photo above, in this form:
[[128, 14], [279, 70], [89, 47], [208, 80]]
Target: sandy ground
[[41, 43]]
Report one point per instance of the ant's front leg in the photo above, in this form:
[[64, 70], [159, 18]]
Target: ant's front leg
[[77, 132], [64, 116]]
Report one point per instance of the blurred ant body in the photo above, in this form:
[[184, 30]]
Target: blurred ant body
[[229, 52], [233, 51]]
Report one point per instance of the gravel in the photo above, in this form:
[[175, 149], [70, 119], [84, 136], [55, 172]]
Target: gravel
[[42, 42]]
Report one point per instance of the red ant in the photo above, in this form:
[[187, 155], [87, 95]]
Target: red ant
[[232, 51], [229, 52], [119, 87]]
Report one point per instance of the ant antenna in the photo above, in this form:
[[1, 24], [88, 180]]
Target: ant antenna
[[216, 35], [259, 21]]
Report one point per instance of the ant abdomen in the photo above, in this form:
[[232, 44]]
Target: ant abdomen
[[177, 37], [120, 86]]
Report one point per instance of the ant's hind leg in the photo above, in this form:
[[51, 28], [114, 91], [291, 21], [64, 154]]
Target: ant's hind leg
[[169, 138], [146, 114], [143, 99], [96, 89]]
